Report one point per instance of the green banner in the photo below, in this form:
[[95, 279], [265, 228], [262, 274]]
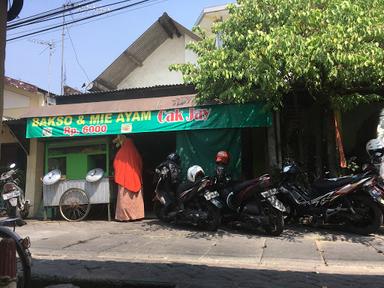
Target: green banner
[[205, 117]]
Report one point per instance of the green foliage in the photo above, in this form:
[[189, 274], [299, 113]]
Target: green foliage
[[331, 49]]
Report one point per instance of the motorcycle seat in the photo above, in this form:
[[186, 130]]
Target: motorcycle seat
[[237, 187], [185, 186], [324, 186]]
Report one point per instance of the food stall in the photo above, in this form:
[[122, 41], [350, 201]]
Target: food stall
[[77, 176]]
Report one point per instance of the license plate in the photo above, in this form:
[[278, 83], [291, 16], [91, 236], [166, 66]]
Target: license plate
[[13, 202], [10, 195], [269, 193], [211, 194], [276, 203]]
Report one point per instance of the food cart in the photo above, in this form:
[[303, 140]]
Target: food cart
[[77, 176]]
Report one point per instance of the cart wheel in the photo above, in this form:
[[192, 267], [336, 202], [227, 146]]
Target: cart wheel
[[74, 204]]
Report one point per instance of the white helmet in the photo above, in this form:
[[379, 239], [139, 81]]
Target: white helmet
[[375, 148], [194, 172]]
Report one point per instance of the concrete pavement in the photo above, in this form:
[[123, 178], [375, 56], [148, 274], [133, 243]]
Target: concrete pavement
[[161, 255]]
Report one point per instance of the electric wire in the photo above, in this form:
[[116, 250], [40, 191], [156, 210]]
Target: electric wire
[[99, 19], [72, 43], [42, 14], [77, 12], [35, 29], [79, 20], [23, 22], [76, 56]]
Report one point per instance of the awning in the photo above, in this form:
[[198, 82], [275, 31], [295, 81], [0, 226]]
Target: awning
[[143, 115], [17, 128], [129, 105]]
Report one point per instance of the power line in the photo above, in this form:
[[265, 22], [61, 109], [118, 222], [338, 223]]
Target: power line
[[42, 16], [79, 20], [76, 56], [73, 13], [43, 13], [50, 25], [94, 20]]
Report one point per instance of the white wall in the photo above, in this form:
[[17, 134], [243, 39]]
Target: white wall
[[13, 100], [190, 56], [210, 17], [155, 69]]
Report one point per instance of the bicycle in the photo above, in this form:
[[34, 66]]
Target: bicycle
[[23, 256]]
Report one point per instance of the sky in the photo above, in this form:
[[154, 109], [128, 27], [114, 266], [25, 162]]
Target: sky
[[88, 48]]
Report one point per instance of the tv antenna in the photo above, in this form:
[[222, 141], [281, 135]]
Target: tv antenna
[[51, 46]]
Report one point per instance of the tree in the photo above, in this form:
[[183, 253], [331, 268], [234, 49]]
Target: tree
[[329, 50], [5, 15], [3, 24]]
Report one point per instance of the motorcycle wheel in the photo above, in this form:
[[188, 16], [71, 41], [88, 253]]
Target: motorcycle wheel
[[12, 211], [369, 214], [276, 223], [25, 212], [23, 264], [160, 211], [214, 218]]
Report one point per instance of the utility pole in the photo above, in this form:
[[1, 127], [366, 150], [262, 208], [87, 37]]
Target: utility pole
[[66, 5], [62, 53]]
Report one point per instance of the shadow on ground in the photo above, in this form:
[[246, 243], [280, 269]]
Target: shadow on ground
[[193, 232], [292, 232], [107, 274]]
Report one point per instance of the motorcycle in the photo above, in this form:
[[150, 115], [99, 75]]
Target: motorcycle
[[253, 203], [352, 202], [190, 203], [377, 182], [23, 255], [13, 195]]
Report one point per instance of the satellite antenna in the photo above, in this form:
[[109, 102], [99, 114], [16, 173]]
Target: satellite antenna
[[51, 46]]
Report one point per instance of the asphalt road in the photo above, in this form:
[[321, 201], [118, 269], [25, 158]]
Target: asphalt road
[[149, 252]]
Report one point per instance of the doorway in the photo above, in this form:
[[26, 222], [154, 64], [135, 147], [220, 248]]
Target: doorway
[[154, 148]]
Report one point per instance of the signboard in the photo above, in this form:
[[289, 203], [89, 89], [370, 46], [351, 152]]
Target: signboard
[[205, 117]]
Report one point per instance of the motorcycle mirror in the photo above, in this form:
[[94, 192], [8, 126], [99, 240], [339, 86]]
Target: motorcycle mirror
[[13, 165]]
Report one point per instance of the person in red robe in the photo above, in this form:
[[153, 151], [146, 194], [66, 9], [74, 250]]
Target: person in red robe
[[128, 166]]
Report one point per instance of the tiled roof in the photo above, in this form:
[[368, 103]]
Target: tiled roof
[[20, 84]]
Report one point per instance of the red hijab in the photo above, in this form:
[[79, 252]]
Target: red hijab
[[128, 165]]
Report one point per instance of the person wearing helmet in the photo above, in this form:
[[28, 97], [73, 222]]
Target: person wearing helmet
[[174, 158], [222, 161], [170, 168], [195, 173], [375, 150], [222, 157]]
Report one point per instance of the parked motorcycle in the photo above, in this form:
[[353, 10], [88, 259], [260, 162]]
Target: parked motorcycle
[[251, 203], [375, 151], [23, 255], [13, 195], [351, 202], [190, 203]]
